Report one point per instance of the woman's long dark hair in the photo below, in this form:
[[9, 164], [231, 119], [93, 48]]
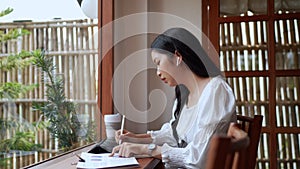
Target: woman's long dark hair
[[193, 55]]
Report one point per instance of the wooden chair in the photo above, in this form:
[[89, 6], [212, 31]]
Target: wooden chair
[[228, 151], [252, 125]]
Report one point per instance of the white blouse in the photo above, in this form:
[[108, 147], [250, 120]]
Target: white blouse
[[212, 114]]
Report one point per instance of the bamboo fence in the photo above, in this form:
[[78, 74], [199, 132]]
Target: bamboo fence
[[243, 47], [73, 45]]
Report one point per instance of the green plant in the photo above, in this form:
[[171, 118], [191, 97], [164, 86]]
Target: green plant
[[23, 138], [6, 12], [13, 90], [3, 161], [20, 141], [61, 113]]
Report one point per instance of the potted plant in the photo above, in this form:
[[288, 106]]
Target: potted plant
[[60, 113]]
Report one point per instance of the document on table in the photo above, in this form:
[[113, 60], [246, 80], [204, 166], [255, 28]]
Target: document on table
[[105, 161]]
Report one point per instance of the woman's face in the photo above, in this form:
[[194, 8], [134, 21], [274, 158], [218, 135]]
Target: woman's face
[[166, 67]]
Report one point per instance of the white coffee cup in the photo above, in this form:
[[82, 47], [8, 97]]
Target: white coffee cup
[[112, 124]]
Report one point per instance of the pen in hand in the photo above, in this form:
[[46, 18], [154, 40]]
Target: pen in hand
[[122, 127]]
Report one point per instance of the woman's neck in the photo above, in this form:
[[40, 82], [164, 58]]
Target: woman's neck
[[195, 84]]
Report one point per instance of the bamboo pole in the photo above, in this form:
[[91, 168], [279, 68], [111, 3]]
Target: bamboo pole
[[292, 94], [297, 90], [69, 61], [94, 63], [80, 73], [235, 81], [281, 86], [75, 59], [257, 83], [239, 42], [230, 55], [82, 62], [251, 80], [229, 43], [88, 65], [222, 30], [286, 88], [65, 68], [234, 43], [232, 81], [265, 85]]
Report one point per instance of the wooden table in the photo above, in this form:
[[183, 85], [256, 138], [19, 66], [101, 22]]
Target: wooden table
[[68, 161]]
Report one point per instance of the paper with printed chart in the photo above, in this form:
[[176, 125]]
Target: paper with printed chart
[[105, 161]]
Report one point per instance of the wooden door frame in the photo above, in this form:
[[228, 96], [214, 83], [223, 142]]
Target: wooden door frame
[[105, 63], [105, 53]]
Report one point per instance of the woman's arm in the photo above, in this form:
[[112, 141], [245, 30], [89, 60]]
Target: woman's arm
[[159, 137], [131, 149], [128, 136]]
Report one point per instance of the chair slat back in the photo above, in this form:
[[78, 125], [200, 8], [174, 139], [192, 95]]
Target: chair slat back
[[237, 158], [217, 153], [252, 125], [225, 150]]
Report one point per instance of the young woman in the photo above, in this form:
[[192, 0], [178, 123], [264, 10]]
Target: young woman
[[204, 104]]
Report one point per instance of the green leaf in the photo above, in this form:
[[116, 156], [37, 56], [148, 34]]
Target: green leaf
[[14, 90], [6, 12], [12, 34], [20, 141]]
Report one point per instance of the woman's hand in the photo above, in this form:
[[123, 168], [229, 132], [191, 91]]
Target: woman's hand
[[128, 136], [125, 137], [130, 149]]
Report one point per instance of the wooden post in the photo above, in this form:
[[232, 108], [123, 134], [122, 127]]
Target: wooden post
[[105, 69]]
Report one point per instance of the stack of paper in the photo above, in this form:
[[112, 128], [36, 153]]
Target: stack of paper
[[105, 161]]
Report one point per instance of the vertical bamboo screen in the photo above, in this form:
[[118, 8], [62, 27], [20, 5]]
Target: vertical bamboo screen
[[73, 46], [246, 47], [243, 48], [287, 54]]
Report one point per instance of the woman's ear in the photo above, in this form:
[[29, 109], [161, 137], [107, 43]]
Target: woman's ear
[[178, 57], [177, 53]]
